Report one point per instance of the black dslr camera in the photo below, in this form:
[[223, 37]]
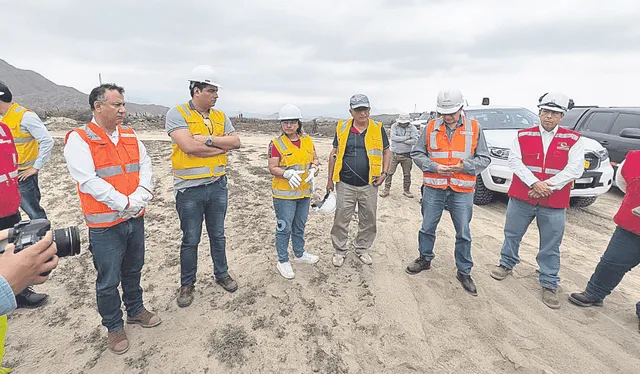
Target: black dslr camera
[[26, 233]]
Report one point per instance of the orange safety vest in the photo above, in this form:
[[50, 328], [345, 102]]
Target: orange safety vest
[[117, 165], [462, 146]]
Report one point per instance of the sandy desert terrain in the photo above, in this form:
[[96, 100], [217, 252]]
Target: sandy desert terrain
[[355, 319]]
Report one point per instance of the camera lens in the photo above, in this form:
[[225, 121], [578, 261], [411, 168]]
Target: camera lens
[[67, 241]]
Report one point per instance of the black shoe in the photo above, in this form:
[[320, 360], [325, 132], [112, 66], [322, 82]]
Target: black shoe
[[584, 299], [418, 265], [467, 283], [228, 283], [30, 299]]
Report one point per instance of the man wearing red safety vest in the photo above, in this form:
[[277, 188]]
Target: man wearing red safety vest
[[114, 181], [545, 160], [623, 252], [451, 151]]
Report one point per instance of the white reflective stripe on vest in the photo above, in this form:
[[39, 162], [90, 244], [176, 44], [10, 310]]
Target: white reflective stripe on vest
[[535, 169], [132, 168], [282, 145], [435, 181], [438, 154], [291, 193], [468, 141], [27, 164], [462, 183], [344, 126], [23, 140], [552, 171], [90, 134], [109, 171], [462, 155], [528, 133], [6, 177], [567, 136], [197, 171], [101, 217], [433, 139], [374, 152], [2, 133]]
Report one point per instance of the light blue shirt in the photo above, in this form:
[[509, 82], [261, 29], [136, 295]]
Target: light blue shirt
[[7, 298], [32, 124]]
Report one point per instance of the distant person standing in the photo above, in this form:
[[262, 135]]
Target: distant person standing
[[201, 138], [545, 160], [34, 144], [293, 162], [403, 138], [115, 182], [358, 164], [451, 152]]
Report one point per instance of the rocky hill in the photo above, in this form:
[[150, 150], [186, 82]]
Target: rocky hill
[[42, 95]]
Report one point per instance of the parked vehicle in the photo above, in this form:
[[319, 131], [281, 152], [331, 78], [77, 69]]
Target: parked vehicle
[[500, 125]]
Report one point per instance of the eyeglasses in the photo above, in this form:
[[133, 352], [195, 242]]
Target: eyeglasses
[[289, 123]]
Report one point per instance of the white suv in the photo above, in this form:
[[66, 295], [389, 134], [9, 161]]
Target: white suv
[[500, 125]]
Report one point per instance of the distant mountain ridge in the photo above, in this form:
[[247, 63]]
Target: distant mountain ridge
[[38, 93]]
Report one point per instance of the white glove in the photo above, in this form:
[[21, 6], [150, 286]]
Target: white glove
[[294, 177], [138, 200], [311, 178], [132, 210]]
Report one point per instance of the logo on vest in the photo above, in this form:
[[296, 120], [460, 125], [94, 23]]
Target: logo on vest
[[563, 146]]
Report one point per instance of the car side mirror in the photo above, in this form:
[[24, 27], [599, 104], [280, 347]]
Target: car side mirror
[[631, 133]]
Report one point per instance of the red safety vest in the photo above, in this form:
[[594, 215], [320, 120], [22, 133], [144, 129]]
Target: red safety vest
[[631, 174], [8, 173], [544, 167]]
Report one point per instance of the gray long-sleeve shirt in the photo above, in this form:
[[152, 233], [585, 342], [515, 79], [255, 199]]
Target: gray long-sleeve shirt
[[474, 166], [403, 138]]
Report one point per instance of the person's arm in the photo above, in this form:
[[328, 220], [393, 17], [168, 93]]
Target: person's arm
[[414, 135], [518, 167], [573, 170], [32, 124], [274, 161], [481, 158], [230, 140], [82, 169], [144, 193], [620, 181], [394, 134], [420, 155], [7, 297], [178, 130], [332, 162]]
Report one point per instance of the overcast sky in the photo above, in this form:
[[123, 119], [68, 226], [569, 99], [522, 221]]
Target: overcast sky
[[398, 52]]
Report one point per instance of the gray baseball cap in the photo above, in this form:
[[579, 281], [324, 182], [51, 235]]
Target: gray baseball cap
[[359, 101]]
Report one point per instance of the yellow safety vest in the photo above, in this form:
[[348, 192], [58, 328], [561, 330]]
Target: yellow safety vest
[[26, 145], [292, 157], [3, 335], [191, 167], [372, 142]]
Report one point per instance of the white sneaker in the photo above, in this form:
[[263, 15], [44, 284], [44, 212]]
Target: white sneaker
[[338, 260], [306, 258], [365, 258], [285, 269]]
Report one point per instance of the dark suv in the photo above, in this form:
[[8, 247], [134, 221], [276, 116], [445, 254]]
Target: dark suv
[[617, 129]]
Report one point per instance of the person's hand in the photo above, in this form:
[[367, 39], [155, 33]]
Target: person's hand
[[133, 209], [378, 182], [457, 168], [330, 185], [534, 195], [311, 178], [23, 269], [542, 189], [409, 137], [294, 177], [444, 170], [26, 173]]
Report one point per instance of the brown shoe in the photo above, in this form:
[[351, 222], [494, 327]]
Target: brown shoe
[[228, 283], [185, 297], [117, 341], [145, 319]]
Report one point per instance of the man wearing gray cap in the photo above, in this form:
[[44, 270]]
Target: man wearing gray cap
[[358, 163]]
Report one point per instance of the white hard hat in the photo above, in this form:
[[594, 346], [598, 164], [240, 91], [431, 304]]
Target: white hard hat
[[289, 111], [554, 101], [205, 74], [326, 205], [403, 118], [449, 101]]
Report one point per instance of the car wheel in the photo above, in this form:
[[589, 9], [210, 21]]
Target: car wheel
[[483, 195], [582, 202]]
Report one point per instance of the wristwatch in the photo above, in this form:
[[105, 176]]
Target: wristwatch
[[209, 141]]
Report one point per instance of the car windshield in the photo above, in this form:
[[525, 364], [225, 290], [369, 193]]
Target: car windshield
[[426, 116], [507, 118]]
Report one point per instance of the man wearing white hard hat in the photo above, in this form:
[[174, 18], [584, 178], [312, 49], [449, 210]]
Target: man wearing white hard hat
[[201, 138], [451, 151], [545, 160], [403, 137], [293, 162]]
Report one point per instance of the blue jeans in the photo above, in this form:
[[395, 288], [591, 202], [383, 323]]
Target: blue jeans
[[291, 216], [208, 202], [30, 197], [550, 222], [118, 256], [622, 255], [460, 207]]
